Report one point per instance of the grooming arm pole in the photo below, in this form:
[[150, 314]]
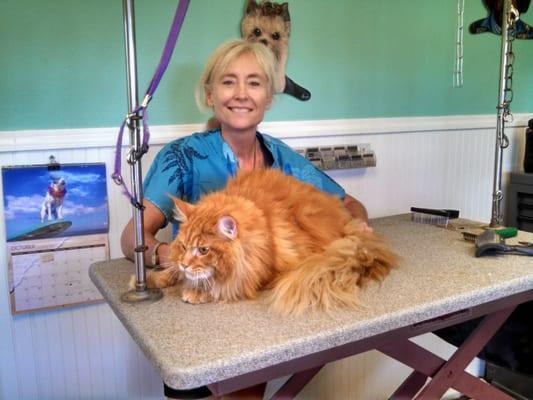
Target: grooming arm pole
[[497, 194], [503, 108], [134, 160]]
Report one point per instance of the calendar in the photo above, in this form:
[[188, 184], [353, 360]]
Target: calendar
[[51, 273], [57, 225]]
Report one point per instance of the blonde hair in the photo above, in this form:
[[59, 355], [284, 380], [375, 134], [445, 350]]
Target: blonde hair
[[224, 55]]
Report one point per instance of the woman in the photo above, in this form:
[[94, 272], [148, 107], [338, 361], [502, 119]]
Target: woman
[[238, 85]]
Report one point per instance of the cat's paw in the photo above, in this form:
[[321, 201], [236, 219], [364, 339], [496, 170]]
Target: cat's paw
[[162, 278], [132, 283], [193, 296]]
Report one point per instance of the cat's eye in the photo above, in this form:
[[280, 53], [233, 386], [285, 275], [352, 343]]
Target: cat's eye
[[276, 36], [203, 250], [257, 32]]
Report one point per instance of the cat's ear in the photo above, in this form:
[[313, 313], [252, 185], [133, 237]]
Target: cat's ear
[[182, 209], [227, 226]]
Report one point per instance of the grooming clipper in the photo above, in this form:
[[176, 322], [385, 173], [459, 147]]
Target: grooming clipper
[[490, 243]]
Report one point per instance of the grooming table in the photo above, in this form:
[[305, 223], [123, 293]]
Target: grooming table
[[227, 347]]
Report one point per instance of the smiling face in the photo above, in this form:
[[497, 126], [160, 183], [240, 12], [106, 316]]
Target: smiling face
[[240, 95]]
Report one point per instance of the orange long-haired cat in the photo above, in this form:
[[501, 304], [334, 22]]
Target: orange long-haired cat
[[266, 230]]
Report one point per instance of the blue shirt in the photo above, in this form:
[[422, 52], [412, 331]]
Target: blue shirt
[[202, 163]]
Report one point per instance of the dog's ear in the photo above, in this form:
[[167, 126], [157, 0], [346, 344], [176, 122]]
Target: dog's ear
[[250, 7], [285, 12]]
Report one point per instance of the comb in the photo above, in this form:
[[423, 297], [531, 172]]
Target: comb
[[433, 216]]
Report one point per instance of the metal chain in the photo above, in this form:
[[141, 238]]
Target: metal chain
[[508, 90], [458, 69]]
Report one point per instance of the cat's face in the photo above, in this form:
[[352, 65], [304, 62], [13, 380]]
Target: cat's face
[[267, 23], [203, 248]]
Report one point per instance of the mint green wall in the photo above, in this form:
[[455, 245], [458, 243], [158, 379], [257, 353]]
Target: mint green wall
[[62, 61]]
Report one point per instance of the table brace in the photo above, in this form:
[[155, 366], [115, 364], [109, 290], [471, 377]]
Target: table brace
[[447, 374]]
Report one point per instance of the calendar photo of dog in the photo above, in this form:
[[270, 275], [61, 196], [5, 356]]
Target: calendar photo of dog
[[54, 199], [44, 201]]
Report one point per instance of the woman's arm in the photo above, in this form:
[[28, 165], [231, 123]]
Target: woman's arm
[[153, 221]]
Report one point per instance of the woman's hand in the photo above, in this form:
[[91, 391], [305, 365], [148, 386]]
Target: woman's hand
[[356, 208], [153, 220]]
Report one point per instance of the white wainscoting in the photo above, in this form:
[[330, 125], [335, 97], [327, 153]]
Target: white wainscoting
[[85, 353]]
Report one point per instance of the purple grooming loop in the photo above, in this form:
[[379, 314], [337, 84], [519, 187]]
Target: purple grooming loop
[[141, 111]]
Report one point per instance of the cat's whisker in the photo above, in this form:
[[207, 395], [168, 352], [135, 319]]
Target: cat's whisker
[[207, 284]]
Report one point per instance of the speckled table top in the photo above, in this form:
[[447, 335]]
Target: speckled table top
[[194, 345]]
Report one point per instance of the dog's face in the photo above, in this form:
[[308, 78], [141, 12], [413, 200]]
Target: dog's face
[[267, 23], [60, 184]]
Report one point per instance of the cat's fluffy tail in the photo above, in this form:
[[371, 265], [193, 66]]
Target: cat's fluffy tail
[[333, 279]]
